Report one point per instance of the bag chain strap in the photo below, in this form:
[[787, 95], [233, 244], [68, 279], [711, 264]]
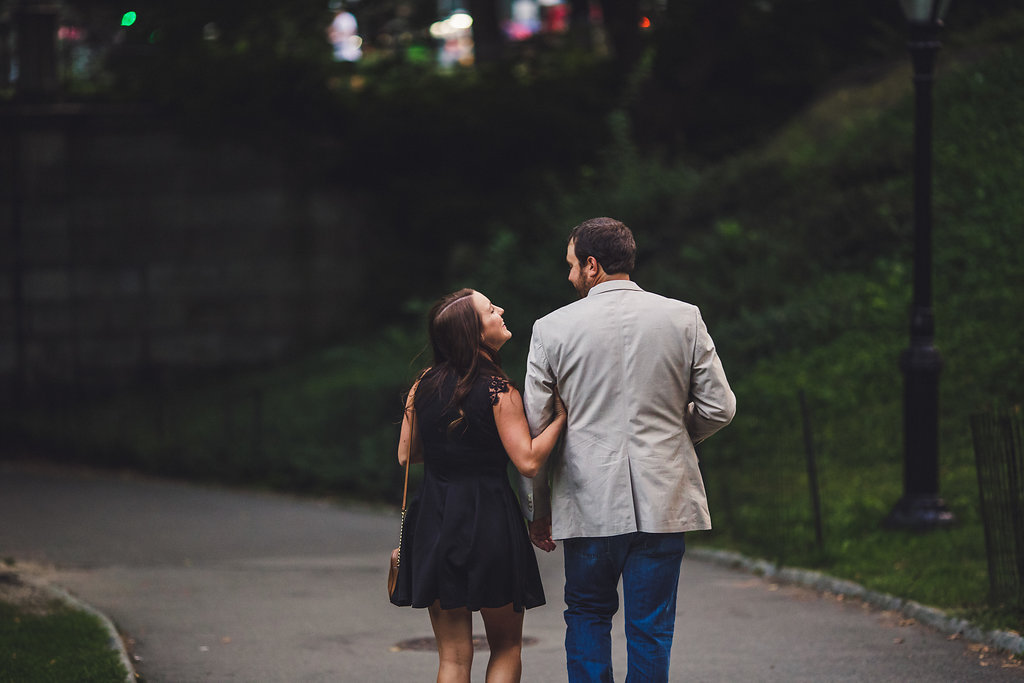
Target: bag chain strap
[[401, 529]]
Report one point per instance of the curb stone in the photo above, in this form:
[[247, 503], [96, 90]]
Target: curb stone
[[1007, 641], [116, 643]]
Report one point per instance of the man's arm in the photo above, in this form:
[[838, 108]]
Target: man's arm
[[712, 403], [539, 404]]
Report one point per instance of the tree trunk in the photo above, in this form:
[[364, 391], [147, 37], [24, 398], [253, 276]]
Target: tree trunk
[[579, 25], [622, 22], [488, 40]]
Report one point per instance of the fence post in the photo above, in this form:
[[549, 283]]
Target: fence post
[[812, 471], [257, 427], [999, 456]]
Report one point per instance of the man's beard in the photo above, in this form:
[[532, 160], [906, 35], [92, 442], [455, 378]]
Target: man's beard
[[583, 286]]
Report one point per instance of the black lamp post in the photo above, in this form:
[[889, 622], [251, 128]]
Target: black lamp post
[[921, 508], [36, 31]]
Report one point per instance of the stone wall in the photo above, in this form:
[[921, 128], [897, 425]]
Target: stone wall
[[129, 252]]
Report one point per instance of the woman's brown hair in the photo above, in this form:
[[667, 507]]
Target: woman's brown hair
[[456, 337]]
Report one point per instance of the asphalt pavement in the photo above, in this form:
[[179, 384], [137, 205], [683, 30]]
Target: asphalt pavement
[[214, 585]]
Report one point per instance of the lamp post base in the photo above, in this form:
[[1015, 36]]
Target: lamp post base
[[920, 513]]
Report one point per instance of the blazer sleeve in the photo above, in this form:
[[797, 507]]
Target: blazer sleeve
[[712, 404], [539, 403]]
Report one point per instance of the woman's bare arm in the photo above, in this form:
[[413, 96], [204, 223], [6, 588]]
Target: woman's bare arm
[[526, 454], [409, 441]]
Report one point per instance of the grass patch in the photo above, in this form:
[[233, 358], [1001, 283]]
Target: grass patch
[[55, 644]]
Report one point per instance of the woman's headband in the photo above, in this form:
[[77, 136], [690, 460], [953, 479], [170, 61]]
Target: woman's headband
[[452, 303]]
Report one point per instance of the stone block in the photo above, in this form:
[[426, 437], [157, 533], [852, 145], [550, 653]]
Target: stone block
[[110, 352], [328, 275], [176, 279], [44, 233], [6, 238], [113, 231], [48, 321], [256, 348], [195, 349], [50, 359], [8, 355], [44, 162], [104, 317], [208, 312], [126, 163], [107, 283], [265, 277], [47, 284], [165, 314]]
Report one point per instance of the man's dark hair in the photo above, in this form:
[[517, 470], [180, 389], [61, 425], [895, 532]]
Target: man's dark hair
[[609, 241]]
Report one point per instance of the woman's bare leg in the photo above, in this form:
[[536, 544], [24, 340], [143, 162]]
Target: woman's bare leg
[[504, 628], [453, 629]]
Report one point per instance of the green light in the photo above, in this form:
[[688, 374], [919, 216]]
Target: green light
[[128, 19]]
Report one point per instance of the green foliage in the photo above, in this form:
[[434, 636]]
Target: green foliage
[[327, 424], [57, 645]]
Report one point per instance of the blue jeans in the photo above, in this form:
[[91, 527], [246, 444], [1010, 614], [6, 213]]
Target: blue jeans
[[649, 567]]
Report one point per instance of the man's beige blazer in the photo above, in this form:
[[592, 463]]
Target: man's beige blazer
[[642, 383]]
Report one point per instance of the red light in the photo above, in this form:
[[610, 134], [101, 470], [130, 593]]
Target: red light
[[645, 22]]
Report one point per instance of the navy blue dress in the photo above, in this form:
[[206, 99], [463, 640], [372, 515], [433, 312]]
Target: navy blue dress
[[465, 542]]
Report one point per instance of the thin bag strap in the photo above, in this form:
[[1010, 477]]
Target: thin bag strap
[[401, 529], [405, 488]]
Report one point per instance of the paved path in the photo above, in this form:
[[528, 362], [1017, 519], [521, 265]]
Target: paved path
[[216, 585]]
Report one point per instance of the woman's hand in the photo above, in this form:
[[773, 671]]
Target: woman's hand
[[540, 534], [560, 410]]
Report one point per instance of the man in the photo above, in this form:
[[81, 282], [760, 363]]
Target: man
[[642, 383]]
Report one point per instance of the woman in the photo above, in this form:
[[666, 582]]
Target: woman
[[465, 547]]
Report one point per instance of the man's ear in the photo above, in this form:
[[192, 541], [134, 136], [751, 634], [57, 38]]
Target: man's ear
[[592, 264]]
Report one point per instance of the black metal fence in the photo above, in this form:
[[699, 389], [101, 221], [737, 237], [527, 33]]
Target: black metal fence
[[999, 453], [777, 514]]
